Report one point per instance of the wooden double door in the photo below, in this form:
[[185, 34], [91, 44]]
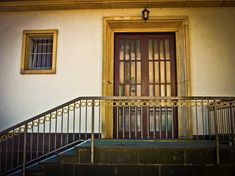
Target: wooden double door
[[145, 65]]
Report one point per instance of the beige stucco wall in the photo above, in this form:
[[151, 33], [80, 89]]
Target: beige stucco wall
[[79, 56]]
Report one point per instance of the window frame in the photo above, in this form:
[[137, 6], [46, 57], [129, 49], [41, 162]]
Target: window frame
[[27, 35]]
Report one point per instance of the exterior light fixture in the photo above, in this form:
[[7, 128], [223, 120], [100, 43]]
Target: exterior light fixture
[[145, 14]]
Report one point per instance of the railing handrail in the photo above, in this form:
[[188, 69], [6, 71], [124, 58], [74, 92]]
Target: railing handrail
[[116, 98]]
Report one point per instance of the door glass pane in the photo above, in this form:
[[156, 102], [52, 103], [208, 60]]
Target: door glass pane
[[157, 90], [168, 72], [121, 90], [162, 72], [167, 49], [150, 72], [127, 50], [132, 50], [168, 90], [121, 72], [138, 52], [156, 72], [127, 72], [133, 92], [163, 90], [150, 53], [127, 90], [161, 49], [132, 72], [155, 46], [138, 72], [121, 53], [151, 90], [138, 90]]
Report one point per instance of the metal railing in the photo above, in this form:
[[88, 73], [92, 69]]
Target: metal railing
[[206, 118]]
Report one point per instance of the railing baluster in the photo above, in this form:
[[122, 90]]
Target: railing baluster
[[160, 117], [232, 120], [92, 131], [49, 138], [31, 143], [148, 122], [136, 121], [117, 121], [1, 155], [172, 123], [56, 116], [154, 121], [123, 122], [129, 122], [228, 121], [62, 127], [197, 126], [166, 119], [80, 119], [37, 145], [100, 122], [226, 115], [25, 149], [67, 136], [223, 123], [74, 121], [203, 121], [141, 122], [12, 150], [209, 120], [6, 159], [216, 133], [86, 121], [219, 121], [43, 136], [18, 148]]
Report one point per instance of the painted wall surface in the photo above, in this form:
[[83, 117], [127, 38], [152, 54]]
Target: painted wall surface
[[79, 56]]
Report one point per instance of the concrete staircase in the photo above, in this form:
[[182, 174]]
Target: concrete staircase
[[139, 158]]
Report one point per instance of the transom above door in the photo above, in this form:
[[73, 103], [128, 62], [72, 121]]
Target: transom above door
[[145, 64]]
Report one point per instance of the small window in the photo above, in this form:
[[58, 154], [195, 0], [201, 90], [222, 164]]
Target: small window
[[39, 52]]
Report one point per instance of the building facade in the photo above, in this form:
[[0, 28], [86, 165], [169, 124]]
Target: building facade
[[203, 38]]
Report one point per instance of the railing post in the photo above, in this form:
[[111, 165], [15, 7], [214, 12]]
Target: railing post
[[24, 150], [92, 131], [216, 133], [1, 153]]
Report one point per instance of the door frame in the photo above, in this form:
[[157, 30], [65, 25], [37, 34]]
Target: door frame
[[176, 24]]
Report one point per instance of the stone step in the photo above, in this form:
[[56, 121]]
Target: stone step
[[138, 170], [156, 152]]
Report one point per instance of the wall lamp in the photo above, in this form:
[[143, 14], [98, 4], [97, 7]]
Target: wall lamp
[[145, 14]]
